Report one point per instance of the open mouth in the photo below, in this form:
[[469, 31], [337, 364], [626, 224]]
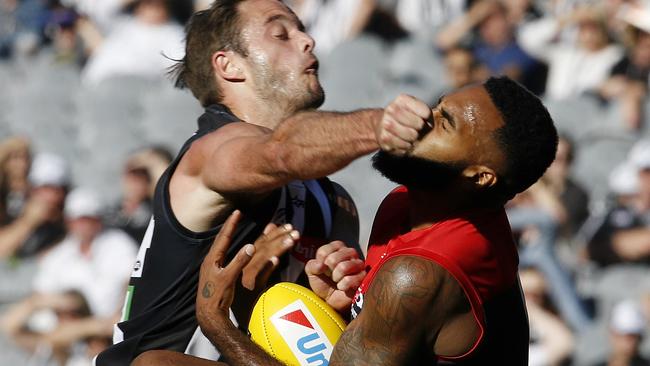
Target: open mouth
[[312, 68]]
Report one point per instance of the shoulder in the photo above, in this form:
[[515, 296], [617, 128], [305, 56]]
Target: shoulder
[[59, 252], [205, 146], [419, 285]]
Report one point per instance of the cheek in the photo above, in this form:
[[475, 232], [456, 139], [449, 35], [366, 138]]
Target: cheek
[[439, 147]]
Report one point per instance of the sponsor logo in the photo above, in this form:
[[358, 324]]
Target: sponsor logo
[[305, 249], [303, 335], [357, 304]]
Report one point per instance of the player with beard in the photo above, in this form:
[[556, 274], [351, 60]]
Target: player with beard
[[442, 286], [260, 148]]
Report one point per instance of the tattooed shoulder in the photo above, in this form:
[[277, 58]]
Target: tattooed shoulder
[[392, 327]]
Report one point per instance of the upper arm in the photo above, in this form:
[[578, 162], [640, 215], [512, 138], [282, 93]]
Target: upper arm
[[400, 311], [237, 158]]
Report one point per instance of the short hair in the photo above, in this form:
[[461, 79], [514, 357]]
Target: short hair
[[208, 31], [528, 137]]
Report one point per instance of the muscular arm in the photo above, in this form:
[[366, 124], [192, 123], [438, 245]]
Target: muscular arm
[[305, 146], [400, 313]]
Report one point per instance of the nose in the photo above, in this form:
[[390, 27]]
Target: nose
[[307, 43]]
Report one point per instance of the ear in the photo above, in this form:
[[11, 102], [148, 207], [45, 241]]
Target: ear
[[480, 176], [227, 65]]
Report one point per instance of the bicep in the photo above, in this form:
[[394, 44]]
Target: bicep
[[393, 326], [240, 158]]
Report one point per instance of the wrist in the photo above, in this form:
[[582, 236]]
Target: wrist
[[214, 323]]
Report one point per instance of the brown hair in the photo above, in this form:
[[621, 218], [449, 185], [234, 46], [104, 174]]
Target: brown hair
[[208, 31]]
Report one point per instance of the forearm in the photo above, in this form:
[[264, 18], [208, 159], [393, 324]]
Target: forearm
[[632, 244], [306, 146], [16, 316], [451, 35], [536, 37], [316, 144], [235, 347], [13, 236], [557, 339]]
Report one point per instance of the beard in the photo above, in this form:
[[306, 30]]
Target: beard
[[285, 89], [417, 173]]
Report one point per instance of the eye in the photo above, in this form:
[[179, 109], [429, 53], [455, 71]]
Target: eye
[[280, 32], [281, 36]]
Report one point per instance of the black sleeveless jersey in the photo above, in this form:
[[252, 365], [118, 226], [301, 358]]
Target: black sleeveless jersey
[[159, 308]]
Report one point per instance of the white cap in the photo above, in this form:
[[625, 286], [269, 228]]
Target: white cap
[[49, 170], [627, 318], [624, 179], [637, 16], [83, 202]]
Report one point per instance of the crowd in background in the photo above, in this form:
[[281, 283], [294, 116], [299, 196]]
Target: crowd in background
[[89, 121]]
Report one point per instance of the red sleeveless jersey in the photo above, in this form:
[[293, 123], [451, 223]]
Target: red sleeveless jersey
[[476, 247]]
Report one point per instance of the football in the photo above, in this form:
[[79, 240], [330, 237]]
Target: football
[[295, 326]]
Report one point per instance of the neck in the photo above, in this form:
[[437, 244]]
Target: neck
[[255, 111], [427, 208]]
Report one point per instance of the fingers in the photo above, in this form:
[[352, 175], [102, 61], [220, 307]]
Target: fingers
[[349, 267], [222, 240], [269, 247], [401, 123], [237, 264], [275, 233], [269, 228], [328, 249], [351, 283], [315, 267], [341, 255]]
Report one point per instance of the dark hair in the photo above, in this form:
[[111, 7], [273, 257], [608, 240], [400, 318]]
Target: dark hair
[[208, 31], [528, 138]]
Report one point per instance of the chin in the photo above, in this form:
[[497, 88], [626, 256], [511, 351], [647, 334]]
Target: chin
[[312, 98], [415, 172]]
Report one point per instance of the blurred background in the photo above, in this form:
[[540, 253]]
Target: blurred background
[[89, 120]]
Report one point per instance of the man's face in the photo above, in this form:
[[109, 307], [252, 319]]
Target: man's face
[[280, 61], [459, 136], [459, 64]]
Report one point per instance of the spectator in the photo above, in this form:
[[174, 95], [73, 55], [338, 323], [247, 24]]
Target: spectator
[[551, 340], [538, 216], [142, 44], [331, 22], [494, 44], [522, 11], [626, 330], [15, 158], [61, 29], [628, 80], [139, 179], [426, 17], [91, 260], [82, 280], [462, 69], [41, 324], [624, 235], [559, 194], [21, 26], [40, 224], [574, 68]]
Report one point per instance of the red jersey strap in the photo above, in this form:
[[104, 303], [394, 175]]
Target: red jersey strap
[[450, 266]]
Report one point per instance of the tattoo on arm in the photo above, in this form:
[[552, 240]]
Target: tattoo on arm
[[391, 329]]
